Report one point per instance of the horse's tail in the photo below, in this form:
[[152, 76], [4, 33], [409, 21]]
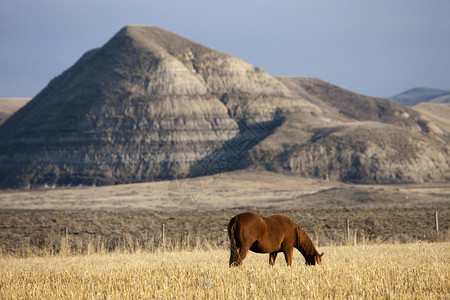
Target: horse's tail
[[233, 247]]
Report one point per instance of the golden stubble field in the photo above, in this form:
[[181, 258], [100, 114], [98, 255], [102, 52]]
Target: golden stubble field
[[394, 271]]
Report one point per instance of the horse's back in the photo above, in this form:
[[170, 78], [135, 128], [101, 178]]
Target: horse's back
[[244, 220], [247, 215], [280, 220], [253, 220], [246, 225], [282, 226]]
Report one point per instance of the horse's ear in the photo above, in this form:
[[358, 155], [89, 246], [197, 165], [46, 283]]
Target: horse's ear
[[319, 258]]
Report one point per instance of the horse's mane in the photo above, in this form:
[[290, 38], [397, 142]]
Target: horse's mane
[[304, 243]]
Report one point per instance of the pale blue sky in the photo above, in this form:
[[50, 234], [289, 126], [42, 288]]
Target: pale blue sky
[[378, 48]]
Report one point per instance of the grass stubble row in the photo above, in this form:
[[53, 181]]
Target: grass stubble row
[[397, 271]]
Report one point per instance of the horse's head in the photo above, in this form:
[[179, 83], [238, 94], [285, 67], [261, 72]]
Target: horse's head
[[314, 259]]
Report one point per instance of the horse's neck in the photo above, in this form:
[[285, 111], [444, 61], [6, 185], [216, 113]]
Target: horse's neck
[[304, 243]]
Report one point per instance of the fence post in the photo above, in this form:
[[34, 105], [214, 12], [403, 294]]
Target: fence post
[[436, 221], [347, 231], [162, 236], [181, 242]]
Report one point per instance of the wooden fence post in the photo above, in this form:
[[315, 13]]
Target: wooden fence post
[[162, 236], [436, 221], [347, 231]]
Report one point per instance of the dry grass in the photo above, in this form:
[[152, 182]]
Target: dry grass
[[375, 271], [259, 189]]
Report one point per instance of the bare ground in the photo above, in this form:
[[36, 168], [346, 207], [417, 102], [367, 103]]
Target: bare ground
[[195, 213], [24, 233]]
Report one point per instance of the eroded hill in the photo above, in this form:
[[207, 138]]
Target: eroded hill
[[151, 105]]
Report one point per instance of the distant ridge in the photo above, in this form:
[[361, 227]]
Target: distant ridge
[[8, 106], [151, 105], [417, 95]]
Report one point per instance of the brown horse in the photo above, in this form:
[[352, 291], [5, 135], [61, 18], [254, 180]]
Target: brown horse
[[274, 234]]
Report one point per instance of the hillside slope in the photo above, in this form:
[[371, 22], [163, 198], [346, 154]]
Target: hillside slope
[[355, 138], [438, 114]]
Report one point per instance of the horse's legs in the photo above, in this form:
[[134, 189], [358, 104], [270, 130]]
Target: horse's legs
[[234, 257], [242, 253], [272, 258], [288, 255]]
